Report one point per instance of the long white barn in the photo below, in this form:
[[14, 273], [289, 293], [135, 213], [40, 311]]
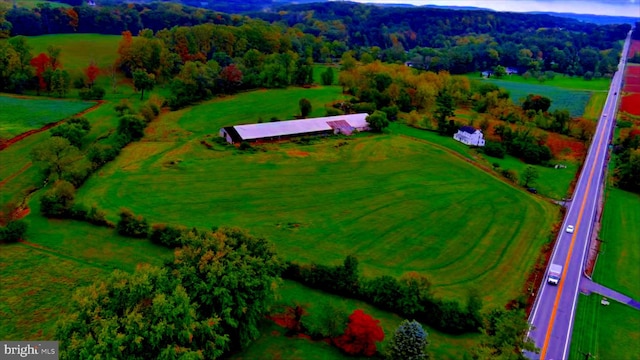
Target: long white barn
[[340, 124]]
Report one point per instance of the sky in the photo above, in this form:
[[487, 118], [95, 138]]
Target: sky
[[598, 7]]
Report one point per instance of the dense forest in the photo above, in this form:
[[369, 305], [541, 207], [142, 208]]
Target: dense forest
[[433, 39]]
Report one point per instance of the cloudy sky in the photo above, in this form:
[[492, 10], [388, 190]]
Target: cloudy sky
[[599, 7]]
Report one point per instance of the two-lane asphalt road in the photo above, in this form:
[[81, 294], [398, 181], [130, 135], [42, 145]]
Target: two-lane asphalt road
[[553, 312]]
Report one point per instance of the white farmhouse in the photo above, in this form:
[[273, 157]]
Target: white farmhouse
[[470, 136]]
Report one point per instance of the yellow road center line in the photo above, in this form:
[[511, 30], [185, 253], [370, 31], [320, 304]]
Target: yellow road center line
[[545, 345]]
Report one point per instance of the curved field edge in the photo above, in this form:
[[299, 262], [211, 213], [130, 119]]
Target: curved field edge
[[21, 114], [398, 205]]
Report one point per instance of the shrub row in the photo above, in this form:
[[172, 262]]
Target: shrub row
[[408, 296], [58, 201], [93, 93]]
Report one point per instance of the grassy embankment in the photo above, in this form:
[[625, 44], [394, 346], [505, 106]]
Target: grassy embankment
[[595, 105]]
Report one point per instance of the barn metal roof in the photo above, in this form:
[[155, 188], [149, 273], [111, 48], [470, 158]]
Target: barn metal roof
[[292, 127]]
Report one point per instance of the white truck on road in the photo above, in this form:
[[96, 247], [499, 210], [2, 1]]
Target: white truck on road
[[555, 272]]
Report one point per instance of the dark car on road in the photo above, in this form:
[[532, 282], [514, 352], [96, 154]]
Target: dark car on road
[[532, 190]]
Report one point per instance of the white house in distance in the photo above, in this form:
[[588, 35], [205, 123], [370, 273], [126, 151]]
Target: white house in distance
[[470, 136]]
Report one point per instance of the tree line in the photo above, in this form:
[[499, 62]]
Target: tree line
[[462, 41], [435, 39]]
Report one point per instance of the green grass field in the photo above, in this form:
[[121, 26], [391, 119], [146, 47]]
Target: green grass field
[[276, 345], [78, 50], [561, 98], [21, 114], [553, 183], [559, 81], [399, 205], [606, 332], [595, 105], [617, 265]]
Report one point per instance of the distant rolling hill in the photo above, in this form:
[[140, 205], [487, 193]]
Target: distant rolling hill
[[594, 19], [247, 6]]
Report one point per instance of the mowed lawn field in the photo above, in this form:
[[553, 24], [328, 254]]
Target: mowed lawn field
[[21, 114], [617, 265], [398, 204], [606, 332]]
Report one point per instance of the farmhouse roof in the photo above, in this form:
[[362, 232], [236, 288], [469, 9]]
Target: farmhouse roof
[[292, 127], [235, 137], [468, 129]]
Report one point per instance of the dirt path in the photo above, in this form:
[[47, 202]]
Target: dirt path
[[65, 256], [10, 177], [7, 143]]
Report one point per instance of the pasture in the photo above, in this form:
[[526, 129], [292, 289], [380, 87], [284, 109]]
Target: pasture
[[617, 265], [607, 332], [21, 114], [78, 50], [561, 98], [397, 204]]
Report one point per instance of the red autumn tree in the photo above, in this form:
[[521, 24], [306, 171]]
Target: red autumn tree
[[361, 335], [92, 72], [231, 77], [41, 63]]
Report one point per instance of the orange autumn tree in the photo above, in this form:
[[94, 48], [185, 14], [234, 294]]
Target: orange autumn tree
[[124, 52], [73, 18]]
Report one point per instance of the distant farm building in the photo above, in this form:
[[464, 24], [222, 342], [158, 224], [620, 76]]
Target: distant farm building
[[470, 136], [280, 130], [508, 71]]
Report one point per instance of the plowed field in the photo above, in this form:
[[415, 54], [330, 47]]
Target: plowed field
[[631, 104], [632, 79]]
